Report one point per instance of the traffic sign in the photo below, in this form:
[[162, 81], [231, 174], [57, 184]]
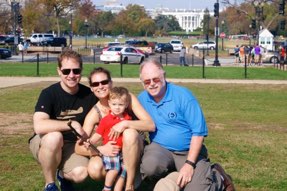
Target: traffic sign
[[222, 35]]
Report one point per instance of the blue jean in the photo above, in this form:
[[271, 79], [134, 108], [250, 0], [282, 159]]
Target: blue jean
[[182, 61]]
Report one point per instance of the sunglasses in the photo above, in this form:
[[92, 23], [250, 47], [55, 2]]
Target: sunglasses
[[96, 84], [148, 82], [76, 71]]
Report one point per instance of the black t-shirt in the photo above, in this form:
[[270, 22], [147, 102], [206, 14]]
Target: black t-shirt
[[61, 105]]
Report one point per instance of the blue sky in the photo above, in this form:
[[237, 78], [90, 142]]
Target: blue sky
[[188, 4]]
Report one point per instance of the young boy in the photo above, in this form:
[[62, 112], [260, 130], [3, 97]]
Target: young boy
[[119, 100]]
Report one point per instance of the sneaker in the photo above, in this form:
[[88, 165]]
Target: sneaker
[[227, 180], [51, 187], [65, 185]]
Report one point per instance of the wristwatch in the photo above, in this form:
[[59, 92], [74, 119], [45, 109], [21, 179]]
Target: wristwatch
[[191, 163]]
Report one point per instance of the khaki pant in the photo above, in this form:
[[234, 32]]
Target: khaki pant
[[169, 184], [159, 162], [70, 159]]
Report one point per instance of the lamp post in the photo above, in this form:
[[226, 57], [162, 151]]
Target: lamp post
[[207, 18], [250, 36], [259, 15], [222, 38], [86, 25], [71, 31], [216, 6]]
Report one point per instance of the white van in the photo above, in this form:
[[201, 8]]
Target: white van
[[176, 44], [40, 38]]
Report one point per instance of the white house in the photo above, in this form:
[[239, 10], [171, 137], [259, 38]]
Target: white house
[[189, 20], [266, 39]]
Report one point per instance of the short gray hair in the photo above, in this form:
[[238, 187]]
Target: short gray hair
[[152, 61]]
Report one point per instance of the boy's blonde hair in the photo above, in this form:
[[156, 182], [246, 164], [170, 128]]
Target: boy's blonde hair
[[119, 92]]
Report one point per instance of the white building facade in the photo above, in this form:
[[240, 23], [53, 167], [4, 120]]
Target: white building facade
[[189, 20]]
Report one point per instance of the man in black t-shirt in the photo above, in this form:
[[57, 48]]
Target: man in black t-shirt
[[64, 102]]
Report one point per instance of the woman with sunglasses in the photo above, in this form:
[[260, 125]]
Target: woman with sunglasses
[[101, 84]]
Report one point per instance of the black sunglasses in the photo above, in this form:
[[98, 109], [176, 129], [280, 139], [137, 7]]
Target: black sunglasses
[[68, 71], [96, 84]]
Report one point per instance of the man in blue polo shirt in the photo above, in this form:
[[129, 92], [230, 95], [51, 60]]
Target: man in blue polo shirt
[[177, 144]]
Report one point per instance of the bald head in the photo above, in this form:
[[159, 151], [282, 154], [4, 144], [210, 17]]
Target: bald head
[[151, 66], [152, 76]]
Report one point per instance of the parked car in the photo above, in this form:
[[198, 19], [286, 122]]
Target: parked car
[[5, 53], [113, 43], [146, 47], [129, 55], [270, 56], [2, 40], [109, 44], [176, 44], [204, 45], [57, 41], [40, 38], [163, 47], [10, 40]]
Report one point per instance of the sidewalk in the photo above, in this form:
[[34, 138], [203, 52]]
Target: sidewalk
[[16, 81]]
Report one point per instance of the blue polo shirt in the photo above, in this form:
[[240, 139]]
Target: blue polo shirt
[[177, 117]]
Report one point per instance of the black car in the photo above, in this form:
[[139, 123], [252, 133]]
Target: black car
[[57, 41], [10, 40], [2, 40], [5, 53], [163, 47]]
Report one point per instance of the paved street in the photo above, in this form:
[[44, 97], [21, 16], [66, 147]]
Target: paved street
[[170, 59]]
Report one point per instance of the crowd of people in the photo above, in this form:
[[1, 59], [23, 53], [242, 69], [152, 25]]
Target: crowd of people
[[111, 125], [252, 54]]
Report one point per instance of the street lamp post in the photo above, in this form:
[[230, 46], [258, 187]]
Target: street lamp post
[[207, 18], [71, 31], [86, 25], [259, 15], [222, 38], [216, 61], [250, 27]]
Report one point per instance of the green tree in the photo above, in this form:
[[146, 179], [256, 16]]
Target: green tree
[[60, 8], [146, 26], [129, 21], [103, 22], [167, 23], [85, 11], [5, 18], [36, 21], [239, 16]]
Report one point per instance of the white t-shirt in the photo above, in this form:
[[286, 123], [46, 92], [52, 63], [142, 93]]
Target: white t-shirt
[[20, 47]]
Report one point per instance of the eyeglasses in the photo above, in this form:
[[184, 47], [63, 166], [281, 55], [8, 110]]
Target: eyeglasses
[[96, 84], [148, 81], [76, 71]]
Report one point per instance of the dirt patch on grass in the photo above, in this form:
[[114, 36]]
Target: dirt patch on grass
[[20, 123]]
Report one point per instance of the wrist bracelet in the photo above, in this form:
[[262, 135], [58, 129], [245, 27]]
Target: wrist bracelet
[[191, 163]]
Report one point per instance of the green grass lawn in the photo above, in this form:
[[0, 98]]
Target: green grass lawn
[[49, 69], [247, 134]]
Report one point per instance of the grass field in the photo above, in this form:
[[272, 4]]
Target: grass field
[[247, 124], [247, 134], [49, 69]]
